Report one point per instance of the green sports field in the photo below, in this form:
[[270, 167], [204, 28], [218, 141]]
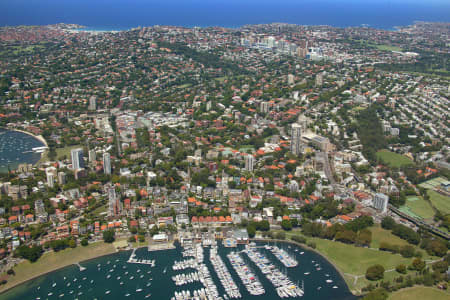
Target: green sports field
[[418, 208], [441, 202], [432, 183], [393, 159]]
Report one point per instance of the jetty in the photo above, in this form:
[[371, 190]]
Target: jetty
[[134, 260]]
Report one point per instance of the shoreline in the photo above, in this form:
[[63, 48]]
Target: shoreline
[[2, 292], [306, 247], [37, 137], [20, 282]]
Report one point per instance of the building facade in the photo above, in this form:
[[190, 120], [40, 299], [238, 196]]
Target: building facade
[[380, 202], [296, 135], [77, 158]]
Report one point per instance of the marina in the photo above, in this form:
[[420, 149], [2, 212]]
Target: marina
[[18, 147], [251, 282], [284, 286], [287, 260], [197, 271], [223, 274]]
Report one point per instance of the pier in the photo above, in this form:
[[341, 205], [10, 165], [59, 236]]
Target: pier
[[134, 260]]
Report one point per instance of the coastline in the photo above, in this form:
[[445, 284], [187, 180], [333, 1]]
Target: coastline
[[56, 268], [37, 137], [20, 282], [306, 247]]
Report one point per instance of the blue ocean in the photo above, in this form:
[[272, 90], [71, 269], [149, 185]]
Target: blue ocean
[[124, 14]]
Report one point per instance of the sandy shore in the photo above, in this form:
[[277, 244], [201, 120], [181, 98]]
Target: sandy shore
[[38, 137]]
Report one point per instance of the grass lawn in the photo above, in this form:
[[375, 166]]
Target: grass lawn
[[418, 207], [380, 235], [53, 261], [22, 49], [60, 152], [99, 210], [441, 202], [356, 260], [353, 261], [221, 79], [139, 244], [386, 47], [184, 85], [393, 159], [381, 47], [247, 148], [358, 108], [432, 183], [420, 293]]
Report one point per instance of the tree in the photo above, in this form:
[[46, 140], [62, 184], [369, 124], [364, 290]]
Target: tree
[[370, 132], [109, 236], [286, 224], [407, 251], [378, 294], [280, 235], [31, 253], [375, 272], [294, 222], [364, 238], [359, 223], [440, 266], [84, 242], [312, 245], [436, 248], [251, 230], [406, 233], [58, 245], [388, 223], [346, 236], [418, 264], [401, 269], [299, 239], [133, 230], [72, 243], [263, 225]]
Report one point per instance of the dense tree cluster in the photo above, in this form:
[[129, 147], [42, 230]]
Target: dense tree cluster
[[375, 272], [109, 236], [32, 253], [370, 132], [62, 244], [355, 233]]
